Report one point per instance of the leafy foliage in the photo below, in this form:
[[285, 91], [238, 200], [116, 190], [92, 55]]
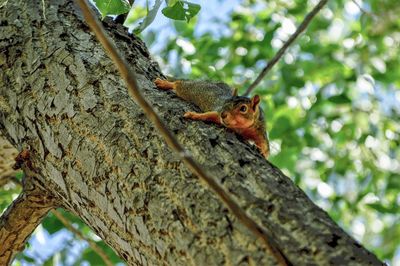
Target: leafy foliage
[[175, 9]]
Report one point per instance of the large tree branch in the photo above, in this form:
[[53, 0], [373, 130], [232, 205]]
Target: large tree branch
[[17, 223], [130, 79], [21, 218], [96, 150]]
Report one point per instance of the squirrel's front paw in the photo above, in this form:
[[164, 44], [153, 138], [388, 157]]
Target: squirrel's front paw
[[164, 84], [190, 115]]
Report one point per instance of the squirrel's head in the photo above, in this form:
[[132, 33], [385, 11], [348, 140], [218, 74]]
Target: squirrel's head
[[240, 112]]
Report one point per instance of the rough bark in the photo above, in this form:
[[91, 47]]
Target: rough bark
[[61, 96], [21, 218], [7, 156]]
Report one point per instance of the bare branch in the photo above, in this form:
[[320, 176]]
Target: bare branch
[[20, 219], [283, 49], [78, 233], [27, 211], [363, 10], [130, 78]]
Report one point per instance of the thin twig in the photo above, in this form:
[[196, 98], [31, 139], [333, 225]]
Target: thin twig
[[130, 79], [364, 10], [78, 233], [283, 49]]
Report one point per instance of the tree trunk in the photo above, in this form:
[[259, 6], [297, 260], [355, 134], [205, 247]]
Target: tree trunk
[[61, 96]]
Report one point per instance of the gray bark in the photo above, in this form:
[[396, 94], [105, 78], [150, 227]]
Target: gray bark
[[61, 96], [22, 217]]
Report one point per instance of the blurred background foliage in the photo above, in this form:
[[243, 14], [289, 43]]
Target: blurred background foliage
[[332, 105]]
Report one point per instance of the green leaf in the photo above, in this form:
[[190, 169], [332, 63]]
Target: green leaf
[[112, 7], [192, 10], [52, 224], [181, 10], [175, 12], [151, 14], [340, 99], [383, 209], [171, 2], [394, 183], [27, 258], [49, 261]]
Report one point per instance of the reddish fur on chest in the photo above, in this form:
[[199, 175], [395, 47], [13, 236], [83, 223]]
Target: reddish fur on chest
[[248, 133], [258, 137]]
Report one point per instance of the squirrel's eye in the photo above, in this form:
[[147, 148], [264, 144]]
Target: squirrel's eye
[[243, 109]]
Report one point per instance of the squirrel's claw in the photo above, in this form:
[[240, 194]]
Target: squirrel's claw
[[164, 84]]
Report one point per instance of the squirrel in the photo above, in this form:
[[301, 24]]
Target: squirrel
[[221, 105]]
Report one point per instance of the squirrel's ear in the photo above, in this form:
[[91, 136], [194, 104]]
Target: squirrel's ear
[[235, 92], [255, 100]]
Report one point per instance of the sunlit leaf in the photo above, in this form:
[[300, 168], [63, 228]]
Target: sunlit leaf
[[151, 15], [112, 7], [181, 10]]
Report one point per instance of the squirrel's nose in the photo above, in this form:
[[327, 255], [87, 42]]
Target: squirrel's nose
[[224, 115]]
